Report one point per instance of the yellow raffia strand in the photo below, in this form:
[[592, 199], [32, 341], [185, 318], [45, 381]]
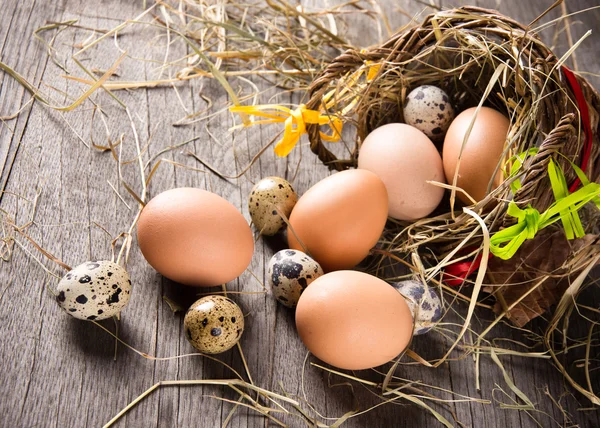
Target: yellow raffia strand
[[295, 123], [372, 66], [504, 244], [373, 70]]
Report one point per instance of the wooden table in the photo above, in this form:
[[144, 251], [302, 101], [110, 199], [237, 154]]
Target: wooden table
[[56, 371]]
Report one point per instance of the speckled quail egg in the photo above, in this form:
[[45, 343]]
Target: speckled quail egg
[[267, 196], [428, 108], [424, 303], [94, 290], [289, 273], [213, 324]]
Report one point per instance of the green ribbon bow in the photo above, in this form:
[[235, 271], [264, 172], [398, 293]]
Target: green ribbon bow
[[505, 243]]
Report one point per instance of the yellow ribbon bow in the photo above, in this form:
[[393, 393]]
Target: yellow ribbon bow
[[295, 123], [504, 244], [296, 119]]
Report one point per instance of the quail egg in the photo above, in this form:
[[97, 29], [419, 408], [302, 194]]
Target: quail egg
[[267, 197], [289, 273], [94, 290], [213, 324], [428, 108], [424, 303]]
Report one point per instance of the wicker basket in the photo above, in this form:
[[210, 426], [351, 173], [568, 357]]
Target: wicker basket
[[459, 50]]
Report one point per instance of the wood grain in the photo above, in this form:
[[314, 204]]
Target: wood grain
[[58, 372]]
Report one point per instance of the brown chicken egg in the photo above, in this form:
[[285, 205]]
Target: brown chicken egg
[[353, 320], [339, 219], [481, 154], [405, 160], [195, 237]]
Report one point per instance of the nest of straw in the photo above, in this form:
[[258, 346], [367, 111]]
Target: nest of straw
[[477, 56]]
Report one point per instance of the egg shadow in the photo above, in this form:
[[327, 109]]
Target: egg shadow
[[276, 242], [90, 338], [346, 395], [286, 315], [182, 296]]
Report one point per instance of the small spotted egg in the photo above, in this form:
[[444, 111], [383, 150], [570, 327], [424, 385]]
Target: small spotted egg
[[267, 196], [94, 290], [213, 324], [289, 273], [428, 108], [424, 303]]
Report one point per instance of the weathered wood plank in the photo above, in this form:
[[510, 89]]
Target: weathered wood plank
[[29, 59], [56, 371]]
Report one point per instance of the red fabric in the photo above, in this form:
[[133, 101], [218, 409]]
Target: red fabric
[[585, 119], [456, 273]]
